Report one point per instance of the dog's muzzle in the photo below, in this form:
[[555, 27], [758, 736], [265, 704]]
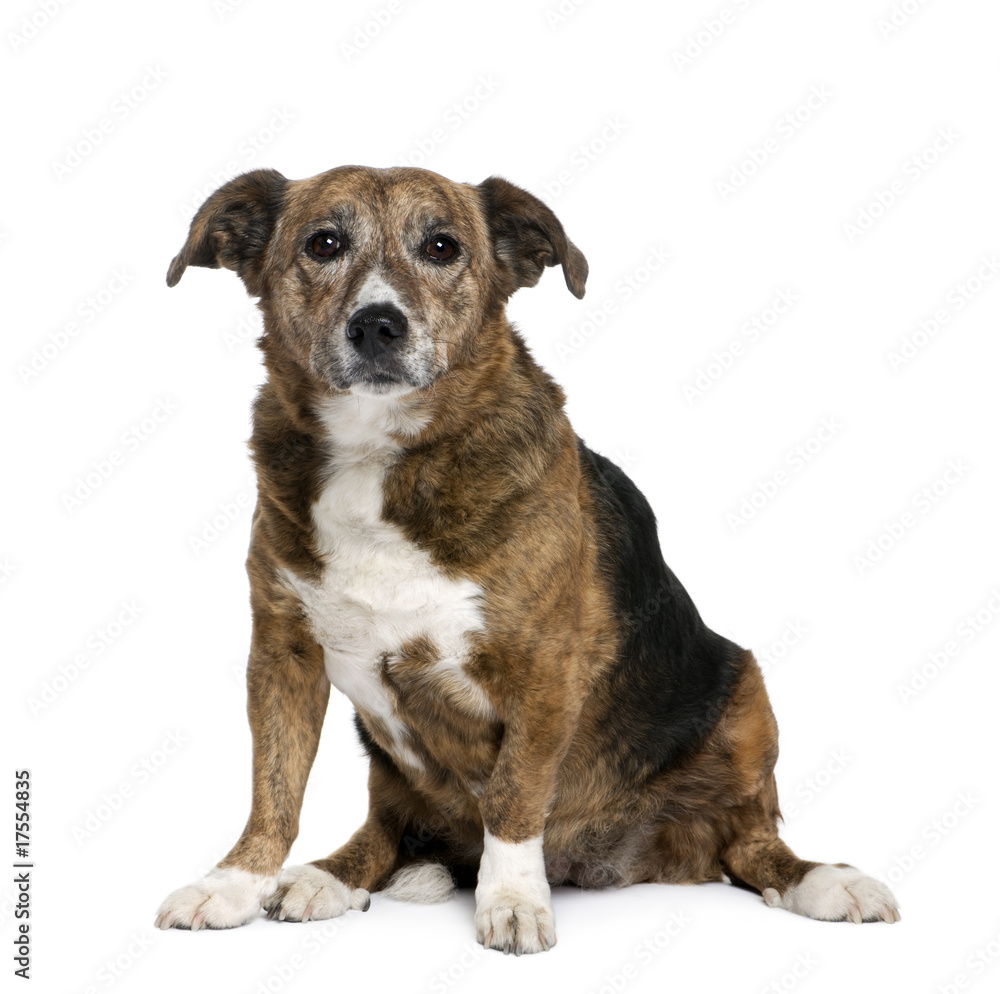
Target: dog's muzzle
[[377, 337]]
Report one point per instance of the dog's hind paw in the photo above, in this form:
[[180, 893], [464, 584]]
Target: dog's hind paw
[[307, 893], [836, 893]]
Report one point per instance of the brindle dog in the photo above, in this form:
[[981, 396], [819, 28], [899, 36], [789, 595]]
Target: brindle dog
[[539, 698]]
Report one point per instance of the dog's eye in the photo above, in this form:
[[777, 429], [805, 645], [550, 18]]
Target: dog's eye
[[324, 244], [440, 249]]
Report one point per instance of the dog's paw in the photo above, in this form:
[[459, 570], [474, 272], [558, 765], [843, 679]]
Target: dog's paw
[[513, 900], [514, 923], [836, 893], [307, 893], [224, 898]]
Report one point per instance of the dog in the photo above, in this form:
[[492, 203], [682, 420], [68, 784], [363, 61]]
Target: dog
[[539, 699]]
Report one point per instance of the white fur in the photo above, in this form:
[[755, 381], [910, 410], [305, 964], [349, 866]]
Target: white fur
[[223, 898], [513, 900], [835, 894], [421, 883], [379, 590], [307, 893], [376, 290]]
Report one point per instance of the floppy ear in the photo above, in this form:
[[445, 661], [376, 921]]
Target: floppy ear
[[528, 237], [232, 228]]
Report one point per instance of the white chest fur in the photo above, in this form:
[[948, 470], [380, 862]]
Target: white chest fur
[[378, 589]]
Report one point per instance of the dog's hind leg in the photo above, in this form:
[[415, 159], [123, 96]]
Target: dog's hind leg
[[829, 892], [744, 745]]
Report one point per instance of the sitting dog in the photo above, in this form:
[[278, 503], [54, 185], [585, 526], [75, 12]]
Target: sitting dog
[[539, 698]]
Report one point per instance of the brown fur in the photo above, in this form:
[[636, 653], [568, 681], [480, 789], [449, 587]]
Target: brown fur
[[493, 489]]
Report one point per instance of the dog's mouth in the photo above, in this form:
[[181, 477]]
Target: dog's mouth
[[381, 376], [377, 384], [379, 353]]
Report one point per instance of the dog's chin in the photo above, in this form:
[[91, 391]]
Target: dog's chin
[[381, 382], [380, 385], [385, 376]]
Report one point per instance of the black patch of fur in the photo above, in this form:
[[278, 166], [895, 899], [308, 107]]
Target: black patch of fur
[[371, 747], [674, 676]]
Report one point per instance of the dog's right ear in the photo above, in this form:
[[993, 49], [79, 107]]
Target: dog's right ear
[[233, 227]]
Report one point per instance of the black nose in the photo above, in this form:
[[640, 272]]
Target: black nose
[[376, 328]]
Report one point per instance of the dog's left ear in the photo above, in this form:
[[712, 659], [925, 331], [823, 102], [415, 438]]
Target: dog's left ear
[[528, 237], [233, 227]]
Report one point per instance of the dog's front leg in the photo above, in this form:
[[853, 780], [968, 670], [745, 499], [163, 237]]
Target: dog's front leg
[[287, 694], [513, 900]]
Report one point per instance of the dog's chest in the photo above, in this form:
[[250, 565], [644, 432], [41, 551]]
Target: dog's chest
[[380, 595]]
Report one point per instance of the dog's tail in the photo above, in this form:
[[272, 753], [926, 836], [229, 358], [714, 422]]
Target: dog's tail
[[422, 882]]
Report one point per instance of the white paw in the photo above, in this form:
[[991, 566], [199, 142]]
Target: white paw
[[835, 894], [223, 898], [513, 900], [307, 893], [514, 923]]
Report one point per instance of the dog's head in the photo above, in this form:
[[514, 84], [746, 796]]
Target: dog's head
[[377, 280]]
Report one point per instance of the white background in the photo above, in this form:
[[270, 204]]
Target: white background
[[905, 789]]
